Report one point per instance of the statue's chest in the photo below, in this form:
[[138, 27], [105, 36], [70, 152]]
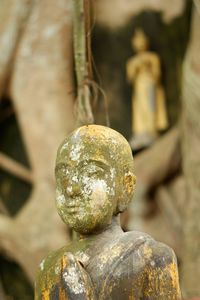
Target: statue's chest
[[117, 272]]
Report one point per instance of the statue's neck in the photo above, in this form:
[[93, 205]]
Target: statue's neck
[[96, 241], [111, 229]]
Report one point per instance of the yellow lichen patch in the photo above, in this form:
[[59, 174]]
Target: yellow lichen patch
[[106, 290], [45, 295], [62, 295], [147, 251], [129, 182], [163, 282], [172, 269], [113, 252], [156, 285], [64, 262]]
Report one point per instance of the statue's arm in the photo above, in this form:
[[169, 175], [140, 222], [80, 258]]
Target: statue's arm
[[155, 66], [131, 69], [74, 282], [162, 274]]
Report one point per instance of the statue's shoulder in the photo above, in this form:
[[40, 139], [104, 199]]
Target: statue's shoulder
[[49, 269], [160, 255], [151, 251], [153, 265], [152, 55], [133, 60]]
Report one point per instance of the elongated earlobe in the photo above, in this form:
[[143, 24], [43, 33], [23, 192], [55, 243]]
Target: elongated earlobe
[[129, 182]]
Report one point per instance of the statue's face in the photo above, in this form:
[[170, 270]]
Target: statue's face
[[87, 185], [140, 41]]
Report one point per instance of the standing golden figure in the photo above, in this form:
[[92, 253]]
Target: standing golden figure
[[148, 101]]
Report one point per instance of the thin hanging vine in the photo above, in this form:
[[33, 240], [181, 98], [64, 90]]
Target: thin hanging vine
[[82, 63]]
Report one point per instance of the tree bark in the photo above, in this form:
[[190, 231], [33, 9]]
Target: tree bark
[[152, 167], [40, 88], [191, 161], [15, 168], [13, 16]]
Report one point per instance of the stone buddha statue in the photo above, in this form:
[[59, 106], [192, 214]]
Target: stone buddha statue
[[95, 183], [149, 113]]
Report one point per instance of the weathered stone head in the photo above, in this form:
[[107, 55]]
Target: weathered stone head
[[94, 178]]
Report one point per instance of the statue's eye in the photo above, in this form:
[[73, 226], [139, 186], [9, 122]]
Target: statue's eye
[[62, 170], [65, 182], [98, 172], [93, 170]]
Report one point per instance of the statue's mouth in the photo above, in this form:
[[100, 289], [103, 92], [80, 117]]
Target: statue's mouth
[[73, 206], [73, 210]]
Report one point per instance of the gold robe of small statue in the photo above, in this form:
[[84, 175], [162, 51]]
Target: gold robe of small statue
[[148, 100]]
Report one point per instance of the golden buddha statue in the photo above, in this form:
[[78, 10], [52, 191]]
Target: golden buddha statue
[[148, 100], [95, 182]]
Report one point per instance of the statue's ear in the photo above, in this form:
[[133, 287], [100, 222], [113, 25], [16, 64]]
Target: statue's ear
[[129, 182]]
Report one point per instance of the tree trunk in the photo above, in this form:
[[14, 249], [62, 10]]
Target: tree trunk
[[40, 88], [191, 161], [13, 15]]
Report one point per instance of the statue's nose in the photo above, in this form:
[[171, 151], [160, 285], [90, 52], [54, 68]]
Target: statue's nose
[[76, 189], [73, 189]]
